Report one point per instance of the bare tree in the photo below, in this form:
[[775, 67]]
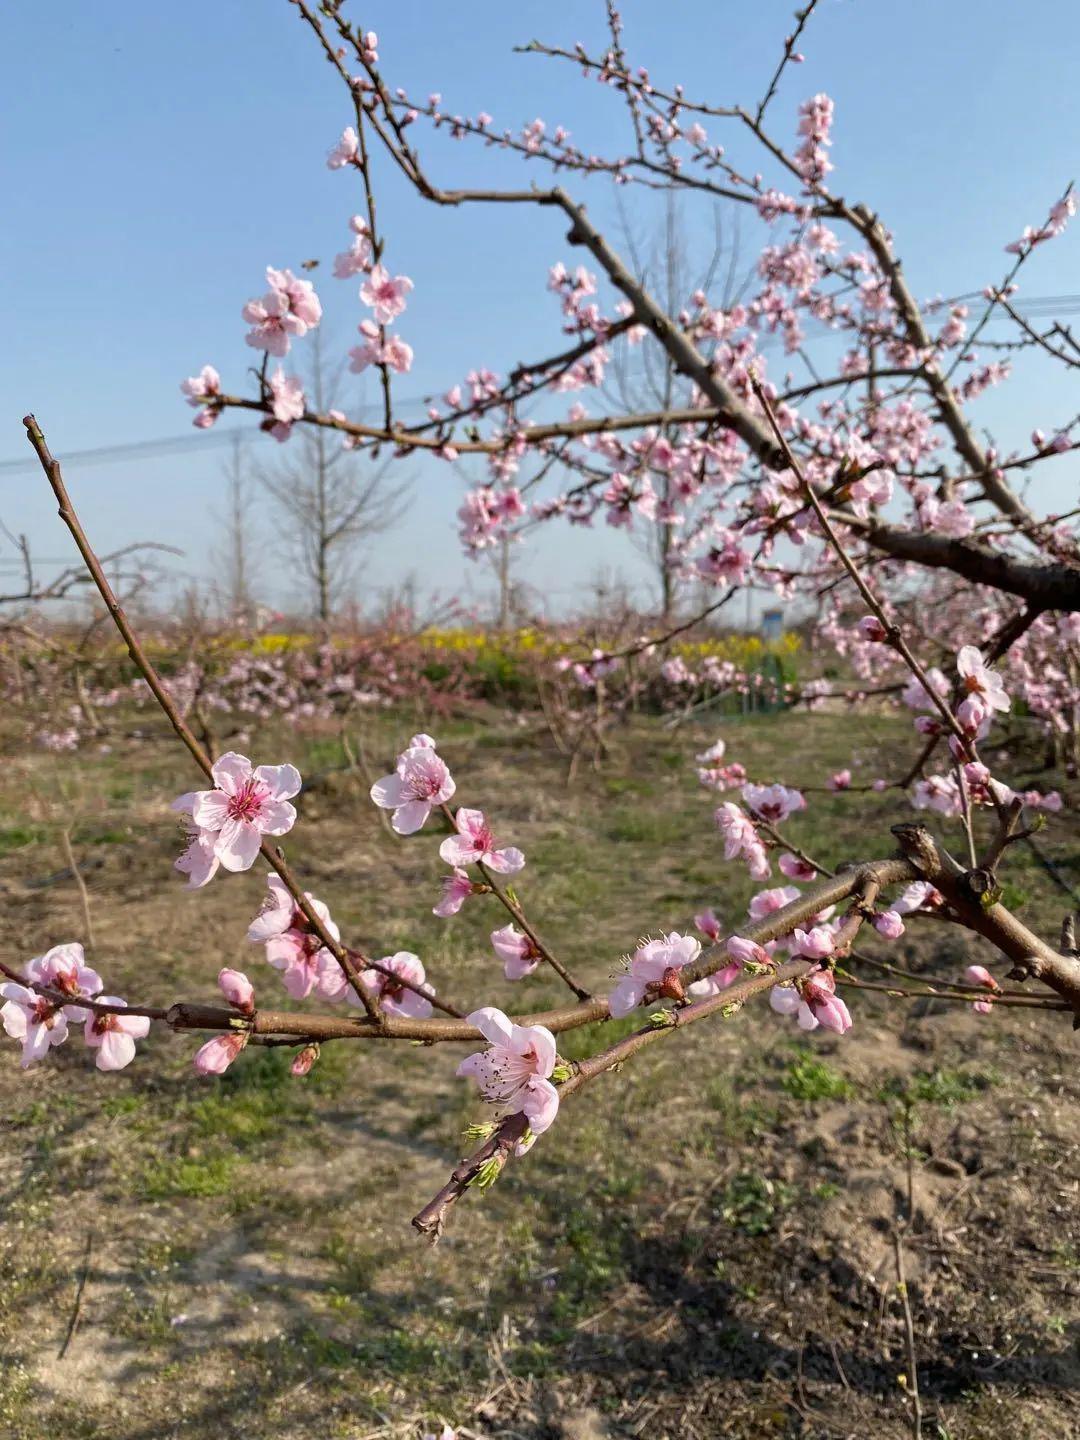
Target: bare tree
[[329, 498], [654, 382], [234, 558]]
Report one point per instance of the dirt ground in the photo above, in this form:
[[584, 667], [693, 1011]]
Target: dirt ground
[[706, 1244]]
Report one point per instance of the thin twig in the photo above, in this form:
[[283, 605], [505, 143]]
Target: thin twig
[[84, 894], [76, 1308]]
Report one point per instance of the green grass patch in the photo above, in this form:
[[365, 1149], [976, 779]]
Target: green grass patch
[[752, 1203], [811, 1080], [194, 1177]]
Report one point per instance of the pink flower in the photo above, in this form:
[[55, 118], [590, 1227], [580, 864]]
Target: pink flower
[[773, 803], [519, 955], [281, 913], [513, 1073], [345, 151], [938, 792], [814, 1001], [202, 387], [286, 397], [421, 782], [290, 308], [237, 989], [765, 902], [915, 695], [736, 827], [474, 844], [889, 924], [29, 1017], [980, 680], [708, 924], [294, 948], [200, 390], [841, 780], [215, 1057], [385, 293], [814, 944], [245, 805], [64, 968], [357, 258], [457, 887], [391, 351], [654, 972], [871, 628], [796, 869], [716, 983], [198, 862], [396, 998], [304, 304], [114, 1036], [918, 895]]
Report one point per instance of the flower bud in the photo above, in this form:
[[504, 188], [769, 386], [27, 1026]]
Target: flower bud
[[237, 989]]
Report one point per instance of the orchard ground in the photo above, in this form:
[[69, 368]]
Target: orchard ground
[[703, 1245]]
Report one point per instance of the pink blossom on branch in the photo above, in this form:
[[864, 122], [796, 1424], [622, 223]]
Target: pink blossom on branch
[[30, 1018], [796, 869], [889, 923], [64, 968], [708, 924], [286, 402], [237, 989], [654, 972], [741, 838], [215, 1057], [773, 803], [813, 1000], [513, 1073], [767, 902], [288, 310], [345, 151], [457, 887], [420, 783], [385, 293], [294, 948], [814, 944], [377, 349], [475, 844], [246, 804], [396, 998], [519, 955], [114, 1036], [979, 680], [200, 390]]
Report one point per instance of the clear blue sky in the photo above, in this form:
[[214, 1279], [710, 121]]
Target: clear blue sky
[[158, 157]]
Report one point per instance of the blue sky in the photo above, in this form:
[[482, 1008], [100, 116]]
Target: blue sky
[[158, 157]]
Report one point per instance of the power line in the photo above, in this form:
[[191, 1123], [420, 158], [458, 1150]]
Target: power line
[[166, 445], [1036, 307]]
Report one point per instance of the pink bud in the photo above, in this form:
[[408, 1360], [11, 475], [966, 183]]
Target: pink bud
[[747, 952], [871, 628], [304, 1060], [237, 989], [979, 975], [708, 924], [889, 924], [217, 1054]]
